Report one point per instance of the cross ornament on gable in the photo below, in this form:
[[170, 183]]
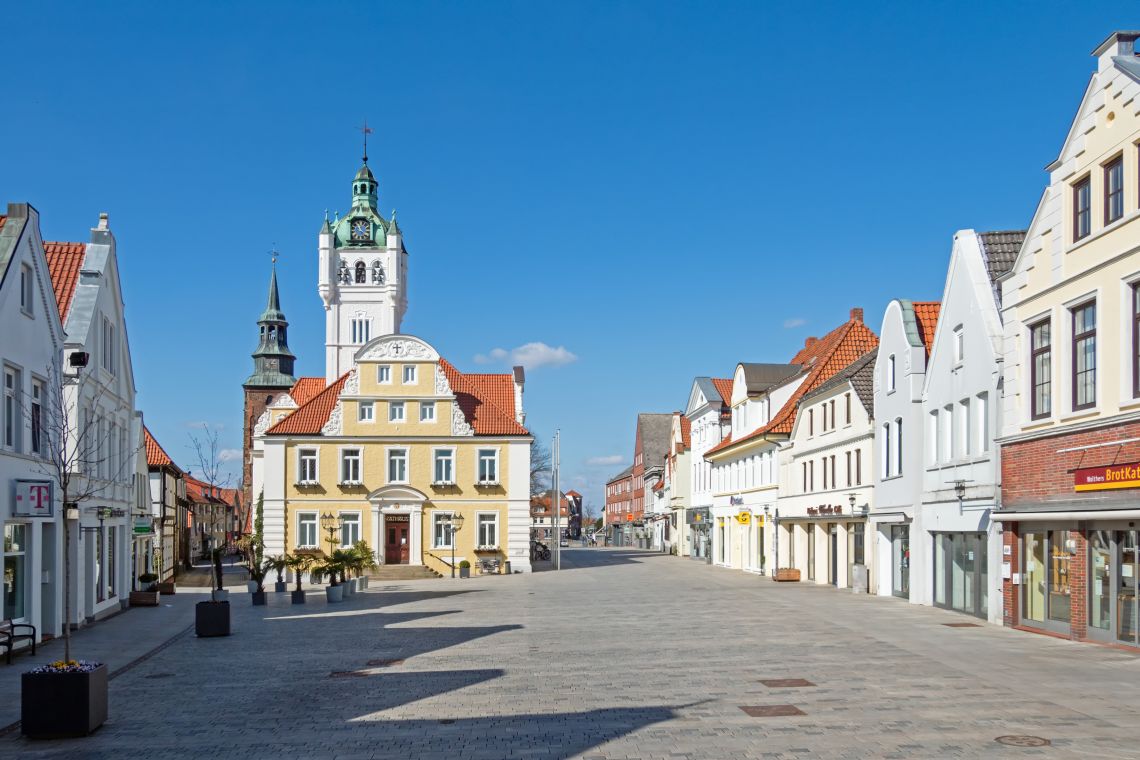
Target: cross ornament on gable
[[365, 130]]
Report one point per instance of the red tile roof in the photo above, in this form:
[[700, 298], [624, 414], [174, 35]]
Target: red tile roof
[[202, 492], [926, 314], [64, 261], [686, 431], [2, 220], [155, 455], [310, 417], [659, 486], [821, 358], [724, 388], [305, 388], [487, 401]]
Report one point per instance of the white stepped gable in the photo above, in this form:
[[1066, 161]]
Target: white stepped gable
[[397, 347]]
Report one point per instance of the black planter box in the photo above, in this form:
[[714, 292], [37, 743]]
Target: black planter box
[[280, 587], [258, 598], [464, 572], [54, 705], [212, 619], [298, 597]]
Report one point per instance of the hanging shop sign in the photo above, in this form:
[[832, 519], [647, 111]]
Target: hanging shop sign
[[697, 516], [1107, 478], [744, 518], [33, 498], [144, 526]]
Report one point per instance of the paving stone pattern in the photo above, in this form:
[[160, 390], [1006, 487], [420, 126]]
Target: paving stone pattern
[[623, 655]]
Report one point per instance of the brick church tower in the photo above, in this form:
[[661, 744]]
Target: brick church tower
[[272, 376]]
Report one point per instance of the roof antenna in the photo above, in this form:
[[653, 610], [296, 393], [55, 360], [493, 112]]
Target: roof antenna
[[365, 130]]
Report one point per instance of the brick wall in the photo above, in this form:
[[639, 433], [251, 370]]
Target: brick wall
[[256, 400], [1033, 471]]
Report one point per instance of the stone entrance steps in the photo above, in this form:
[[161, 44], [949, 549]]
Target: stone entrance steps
[[401, 573]]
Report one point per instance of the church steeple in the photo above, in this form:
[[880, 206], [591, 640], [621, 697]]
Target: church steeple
[[272, 361]]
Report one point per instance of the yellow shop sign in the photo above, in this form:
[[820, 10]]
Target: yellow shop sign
[[743, 517]]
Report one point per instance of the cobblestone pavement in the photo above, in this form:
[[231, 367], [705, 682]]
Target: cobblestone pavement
[[622, 655]]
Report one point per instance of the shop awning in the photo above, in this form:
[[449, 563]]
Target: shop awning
[[1077, 514], [888, 517]]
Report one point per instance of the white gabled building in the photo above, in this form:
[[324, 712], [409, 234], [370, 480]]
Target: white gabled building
[[708, 415], [826, 485], [961, 401], [676, 485], [29, 500], [900, 377]]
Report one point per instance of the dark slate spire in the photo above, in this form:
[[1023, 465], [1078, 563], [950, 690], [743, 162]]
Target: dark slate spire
[[272, 361]]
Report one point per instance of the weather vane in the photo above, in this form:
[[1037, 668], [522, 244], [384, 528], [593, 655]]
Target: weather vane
[[273, 254], [366, 130]]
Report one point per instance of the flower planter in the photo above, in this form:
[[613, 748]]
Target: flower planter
[[258, 598], [348, 588], [464, 572], [212, 619], [786, 574], [363, 581], [280, 587], [166, 589], [144, 598], [298, 597], [54, 705], [220, 595], [334, 593]]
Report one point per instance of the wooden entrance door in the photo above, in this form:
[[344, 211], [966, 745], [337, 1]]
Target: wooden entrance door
[[396, 542]]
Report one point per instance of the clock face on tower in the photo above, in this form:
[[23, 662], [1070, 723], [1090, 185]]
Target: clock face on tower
[[360, 229]]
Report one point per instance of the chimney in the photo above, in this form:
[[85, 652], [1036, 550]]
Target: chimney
[[103, 221], [519, 381], [1118, 44], [857, 314], [811, 341]]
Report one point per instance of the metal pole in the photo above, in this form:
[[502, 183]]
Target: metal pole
[[556, 502], [451, 535]]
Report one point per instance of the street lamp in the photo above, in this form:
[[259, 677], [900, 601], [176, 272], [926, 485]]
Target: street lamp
[[453, 526], [332, 525]]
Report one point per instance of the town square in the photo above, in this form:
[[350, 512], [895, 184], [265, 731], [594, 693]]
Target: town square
[[571, 380]]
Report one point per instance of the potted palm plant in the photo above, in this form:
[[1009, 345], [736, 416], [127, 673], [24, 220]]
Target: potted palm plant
[[343, 559], [334, 592], [299, 564], [258, 573], [278, 563], [367, 560]]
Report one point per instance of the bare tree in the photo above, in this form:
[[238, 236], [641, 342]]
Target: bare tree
[[77, 454], [541, 467], [211, 465]]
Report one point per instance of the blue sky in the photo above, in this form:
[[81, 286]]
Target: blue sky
[[660, 190]]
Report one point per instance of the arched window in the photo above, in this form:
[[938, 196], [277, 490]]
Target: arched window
[[360, 273]]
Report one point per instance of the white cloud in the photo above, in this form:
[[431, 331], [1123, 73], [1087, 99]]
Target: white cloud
[[530, 355], [229, 455], [794, 322], [606, 460]]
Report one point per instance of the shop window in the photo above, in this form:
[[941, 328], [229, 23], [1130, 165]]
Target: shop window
[[15, 571], [811, 551]]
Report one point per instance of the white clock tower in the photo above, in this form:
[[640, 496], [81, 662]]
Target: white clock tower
[[363, 276]]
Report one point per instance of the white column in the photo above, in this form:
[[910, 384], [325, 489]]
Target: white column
[[416, 555]]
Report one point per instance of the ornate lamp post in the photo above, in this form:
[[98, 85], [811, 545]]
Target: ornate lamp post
[[332, 525], [453, 526]]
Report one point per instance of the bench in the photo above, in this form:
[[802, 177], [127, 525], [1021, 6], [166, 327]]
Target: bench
[[9, 636], [489, 566]]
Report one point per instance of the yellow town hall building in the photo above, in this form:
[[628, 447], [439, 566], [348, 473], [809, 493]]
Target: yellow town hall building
[[395, 446]]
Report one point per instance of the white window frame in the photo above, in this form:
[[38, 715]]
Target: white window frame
[[13, 423], [959, 345], [408, 370], [109, 344], [361, 330], [351, 516], [316, 530], [479, 530], [479, 479], [36, 418], [301, 479], [401, 407], [389, 456], [890, 369], [27, 290], [436, 455], [365, 411], [384, 374], [427, 406], [344, 457], [441, 518]]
